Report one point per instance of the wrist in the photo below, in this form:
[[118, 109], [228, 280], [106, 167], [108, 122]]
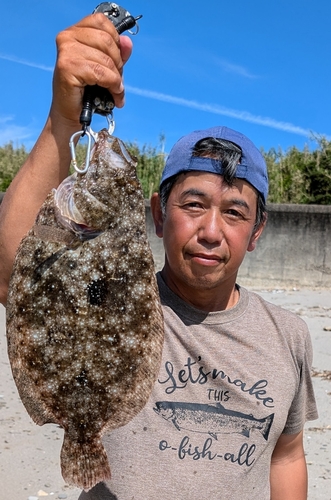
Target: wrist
[[61, 126]]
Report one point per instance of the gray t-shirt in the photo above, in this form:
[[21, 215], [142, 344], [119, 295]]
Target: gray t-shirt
[[230, 383]]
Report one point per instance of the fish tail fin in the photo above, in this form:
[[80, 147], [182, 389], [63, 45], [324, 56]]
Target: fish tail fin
[[267, 426], [84, 464]]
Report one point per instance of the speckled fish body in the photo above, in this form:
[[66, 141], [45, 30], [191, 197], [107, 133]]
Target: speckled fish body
[[84, 322]]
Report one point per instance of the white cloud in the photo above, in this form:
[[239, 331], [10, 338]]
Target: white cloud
[[25, 63], [235, 68], [10, 132], [209, 108], [222, 110]]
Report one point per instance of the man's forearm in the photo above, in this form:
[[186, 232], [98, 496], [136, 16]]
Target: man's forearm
[[288, 481], [44, 169]]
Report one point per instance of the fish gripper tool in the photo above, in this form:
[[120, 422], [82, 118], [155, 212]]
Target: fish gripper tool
[[97, 99]]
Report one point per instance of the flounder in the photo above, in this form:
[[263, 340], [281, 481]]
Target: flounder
[[84, 321]]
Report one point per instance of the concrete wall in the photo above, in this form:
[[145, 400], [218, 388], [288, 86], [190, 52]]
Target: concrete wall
[[293, 251]]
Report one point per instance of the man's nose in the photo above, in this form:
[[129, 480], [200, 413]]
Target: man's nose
[[210, 228]]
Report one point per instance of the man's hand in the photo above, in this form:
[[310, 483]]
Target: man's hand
[[90, 52]]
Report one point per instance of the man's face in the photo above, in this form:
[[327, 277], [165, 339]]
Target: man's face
[[206, 232]]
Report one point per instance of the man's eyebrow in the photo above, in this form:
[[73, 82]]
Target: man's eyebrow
[[194, 192], [239, 202]]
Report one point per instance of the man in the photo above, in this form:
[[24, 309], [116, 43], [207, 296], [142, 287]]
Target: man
[[225, 418]]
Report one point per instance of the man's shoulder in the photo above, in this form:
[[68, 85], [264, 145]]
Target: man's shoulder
[[280, 314]]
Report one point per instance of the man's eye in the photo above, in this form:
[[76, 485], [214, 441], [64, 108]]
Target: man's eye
[[234, 212], [193, 204]]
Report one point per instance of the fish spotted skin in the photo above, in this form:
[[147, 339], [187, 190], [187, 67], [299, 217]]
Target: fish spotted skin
[[212, 419], [84, 321]]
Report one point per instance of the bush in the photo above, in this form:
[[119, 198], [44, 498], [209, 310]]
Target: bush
[[10, 162], [302, 177], [150, 165], [295, 176]]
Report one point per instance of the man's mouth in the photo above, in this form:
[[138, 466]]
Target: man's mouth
[[206, 258]]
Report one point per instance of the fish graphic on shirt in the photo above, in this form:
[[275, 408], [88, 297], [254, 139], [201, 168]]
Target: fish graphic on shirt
[[212, 419]]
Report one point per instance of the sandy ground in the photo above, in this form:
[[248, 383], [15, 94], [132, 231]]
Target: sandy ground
[[29, 455]]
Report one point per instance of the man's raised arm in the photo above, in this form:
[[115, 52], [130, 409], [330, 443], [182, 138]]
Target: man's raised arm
[[88, 53]]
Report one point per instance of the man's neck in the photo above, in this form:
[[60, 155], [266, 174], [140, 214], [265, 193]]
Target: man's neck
[[206, 300]]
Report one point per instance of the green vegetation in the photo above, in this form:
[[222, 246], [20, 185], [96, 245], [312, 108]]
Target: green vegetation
[[10, 161], [300, 176], [295, 176], [150, 165]]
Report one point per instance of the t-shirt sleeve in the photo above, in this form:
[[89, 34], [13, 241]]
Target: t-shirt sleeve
[[303, 406]]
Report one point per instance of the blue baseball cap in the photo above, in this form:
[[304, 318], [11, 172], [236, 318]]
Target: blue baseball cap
[[251, 168]]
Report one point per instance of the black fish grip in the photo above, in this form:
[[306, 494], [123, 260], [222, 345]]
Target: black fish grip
[[97, 99]]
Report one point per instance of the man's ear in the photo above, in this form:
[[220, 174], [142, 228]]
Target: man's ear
[[157, 214], [256, 235]]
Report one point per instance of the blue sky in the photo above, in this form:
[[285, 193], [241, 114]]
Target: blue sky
[[261, 67]]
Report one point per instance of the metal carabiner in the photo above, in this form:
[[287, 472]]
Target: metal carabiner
[[91, 136], [72, 146], [111, 123]]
